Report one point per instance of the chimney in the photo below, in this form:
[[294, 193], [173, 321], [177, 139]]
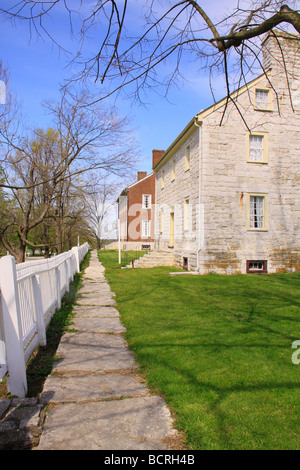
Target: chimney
[[275, 48], [156, 156], [141, 175]]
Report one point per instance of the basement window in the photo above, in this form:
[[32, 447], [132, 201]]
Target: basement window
[[257, 266]]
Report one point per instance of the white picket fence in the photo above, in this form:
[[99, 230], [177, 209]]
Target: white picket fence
[[30, 293]]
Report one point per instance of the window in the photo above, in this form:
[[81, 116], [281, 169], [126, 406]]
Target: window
[[186, 214], [257, 148], [257, 215], [146, 201], [161, 221], [187, 157], [146, 228], [257, 267], [262, 99], [162, 179], [173, 170]]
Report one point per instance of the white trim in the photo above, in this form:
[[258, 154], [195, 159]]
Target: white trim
[[146, 228], [144, 198]]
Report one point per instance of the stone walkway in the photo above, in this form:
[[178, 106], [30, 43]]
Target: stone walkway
[[97, 400]]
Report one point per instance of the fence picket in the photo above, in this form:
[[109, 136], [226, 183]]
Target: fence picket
[[29, 294], [38, 307]]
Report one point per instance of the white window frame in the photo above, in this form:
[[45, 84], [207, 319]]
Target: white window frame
[[146, 201], [257, 212], [258, 106], [264, 147], [186, 214], [173, 170], [187, 157], [161, 221], [146, 228]]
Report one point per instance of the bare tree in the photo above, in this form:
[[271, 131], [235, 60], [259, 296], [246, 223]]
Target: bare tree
[[36, 160], [166, 31], [39, 171], [100, 205]]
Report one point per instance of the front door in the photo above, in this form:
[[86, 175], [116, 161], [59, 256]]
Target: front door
[[171, 244]]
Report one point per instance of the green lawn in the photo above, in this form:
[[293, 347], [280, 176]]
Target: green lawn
[[218, 348]]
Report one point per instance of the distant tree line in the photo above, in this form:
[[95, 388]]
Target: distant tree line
[[53, 181]]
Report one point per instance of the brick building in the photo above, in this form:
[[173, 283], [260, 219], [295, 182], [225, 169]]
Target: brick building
[[136, 212]]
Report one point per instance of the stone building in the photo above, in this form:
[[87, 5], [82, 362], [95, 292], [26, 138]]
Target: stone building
[[228, 196], [136, 210]]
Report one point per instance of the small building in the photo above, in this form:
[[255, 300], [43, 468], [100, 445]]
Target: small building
[[136, 212], [228, 188]]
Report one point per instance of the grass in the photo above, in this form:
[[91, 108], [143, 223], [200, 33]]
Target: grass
[[218, 348], [40, 364]]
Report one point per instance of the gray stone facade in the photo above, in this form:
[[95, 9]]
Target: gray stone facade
[[243, 212]]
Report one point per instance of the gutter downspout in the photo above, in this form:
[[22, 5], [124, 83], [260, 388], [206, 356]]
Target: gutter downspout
[[200, 206]]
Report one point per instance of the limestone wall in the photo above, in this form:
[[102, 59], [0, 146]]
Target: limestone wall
[[223, 241]]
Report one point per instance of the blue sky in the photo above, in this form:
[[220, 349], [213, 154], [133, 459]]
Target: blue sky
[[37, 68]]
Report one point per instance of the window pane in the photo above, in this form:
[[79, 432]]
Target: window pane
[[161, 221], [187, 158], [186, 214], [146, 228], [262, 99], [256, 212], [256, 148], [146, 201]]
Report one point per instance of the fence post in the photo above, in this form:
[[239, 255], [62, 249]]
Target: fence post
[[58, 292], [38, 306], [3, 364], [76, 254], [17, 382]]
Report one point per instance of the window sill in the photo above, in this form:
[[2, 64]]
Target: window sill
[[258, 271], [262, 110], [260, 163], [257, 229]]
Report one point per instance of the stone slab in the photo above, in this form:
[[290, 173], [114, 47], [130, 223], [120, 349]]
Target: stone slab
[[87, 387], [98, 325], [4, 406], [21, 426], [90, 311], [93, 352], [129, 424], [96, 300], [90, 288]]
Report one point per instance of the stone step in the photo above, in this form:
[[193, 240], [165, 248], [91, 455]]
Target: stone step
[[154, 259]]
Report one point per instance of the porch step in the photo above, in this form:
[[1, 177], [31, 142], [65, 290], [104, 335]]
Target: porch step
[[154, 259]]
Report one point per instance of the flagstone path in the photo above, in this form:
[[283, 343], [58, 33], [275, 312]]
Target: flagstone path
[[98, 400]]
